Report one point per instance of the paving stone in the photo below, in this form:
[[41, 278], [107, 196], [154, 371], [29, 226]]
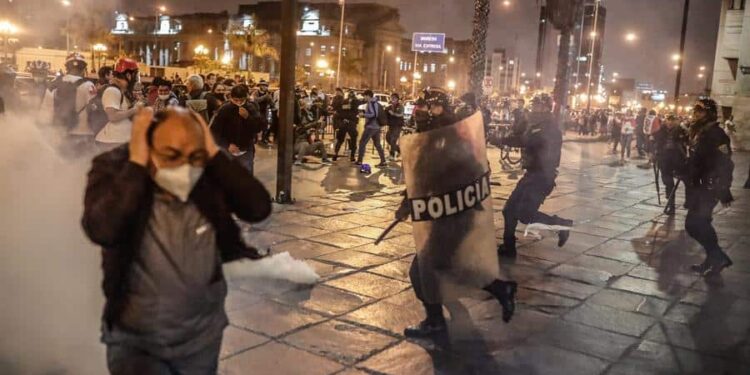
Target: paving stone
[[301, 249], [583, 339], [386, 316], [298, 230], [324, 300], [613, 267], [340, 341], [682, 313], [402, 359], [238, 299], [564, 287], [625, 301], [616, 250], [647, 287], [385, 249], [341, 240], [586, 275], [398, 270], [332, 224], [657, 359], [545, 302], [543, 359], [720, 336], [610, 319], [354, 259], [546, 252], [362, 219], [237, 340], [406, 240], [272, 318], [264, 239], [328, 271], [368, 284], [278, 359]]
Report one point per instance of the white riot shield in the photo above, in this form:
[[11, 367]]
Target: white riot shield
[[448, 187]]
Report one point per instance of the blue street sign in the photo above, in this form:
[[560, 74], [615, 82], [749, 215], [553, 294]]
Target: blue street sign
[[428, 42]]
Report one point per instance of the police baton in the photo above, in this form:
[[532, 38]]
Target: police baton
[[656, 180], [671, 194], [388, 230]]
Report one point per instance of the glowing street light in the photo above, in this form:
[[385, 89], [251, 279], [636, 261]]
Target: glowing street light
[[403, 79], [417, 76], [99, 47], [676, 57], [451, 85], [210, 31], [451, 59], [162, 9], [615, 74], [201, 50], [506, 3], [702, 68], [538, 75], [226, 59], [676, 67], [631, 37], [701, 75], [389, 48], [322, 64]]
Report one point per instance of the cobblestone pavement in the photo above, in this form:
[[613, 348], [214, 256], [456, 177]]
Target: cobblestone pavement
[[617, 299]]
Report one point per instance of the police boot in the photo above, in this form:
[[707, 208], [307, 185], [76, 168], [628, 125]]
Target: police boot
[[717, 264], [506, 251], [505, 293], [432, 326], [564, 235]]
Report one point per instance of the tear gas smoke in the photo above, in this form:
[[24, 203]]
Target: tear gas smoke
[[49, 272]]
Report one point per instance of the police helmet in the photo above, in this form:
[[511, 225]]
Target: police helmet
[[437, 96], [75, 61], [707, 105]]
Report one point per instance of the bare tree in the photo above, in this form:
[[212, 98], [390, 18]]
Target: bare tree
[[563, 15], [479, 45]]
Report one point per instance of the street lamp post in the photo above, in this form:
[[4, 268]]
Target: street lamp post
[[341, 41], [388, 49], [678, 80], [7, 29], [414, 77], [100, 48], [67, 4], [286, 101], [594, 36]]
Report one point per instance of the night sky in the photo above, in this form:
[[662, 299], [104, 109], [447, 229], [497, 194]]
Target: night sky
[[656, 22]]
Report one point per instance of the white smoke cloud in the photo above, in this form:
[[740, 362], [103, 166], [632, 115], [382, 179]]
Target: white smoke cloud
[[49, 272]]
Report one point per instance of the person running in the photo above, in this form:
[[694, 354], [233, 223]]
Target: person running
[[374, 116], [542, 145]]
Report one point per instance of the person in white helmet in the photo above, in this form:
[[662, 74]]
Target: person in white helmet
[[70, 98]]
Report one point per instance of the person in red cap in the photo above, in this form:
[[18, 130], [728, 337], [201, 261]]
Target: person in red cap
[[119, 104]]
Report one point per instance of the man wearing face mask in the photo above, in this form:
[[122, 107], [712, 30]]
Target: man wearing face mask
[[264, 99], [119, 105], [236, 126], [161, 208], [346, 111], [165, 97], [541, 143]]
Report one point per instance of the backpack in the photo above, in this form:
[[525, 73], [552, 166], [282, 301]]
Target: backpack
[[64, 104], [199, 105], [382, 115], [97, 117]]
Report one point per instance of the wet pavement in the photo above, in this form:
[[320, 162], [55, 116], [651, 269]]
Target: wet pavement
[[617, 299]]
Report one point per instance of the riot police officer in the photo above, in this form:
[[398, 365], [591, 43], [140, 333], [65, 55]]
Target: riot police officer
[[542, 144], [709, 178], [671, 152], [439, 110], [345, 121]]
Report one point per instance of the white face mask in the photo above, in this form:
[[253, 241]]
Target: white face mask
[[164, 97], [179, 181]]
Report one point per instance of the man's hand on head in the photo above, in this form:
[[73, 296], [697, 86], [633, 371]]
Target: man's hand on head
[[139, 152]]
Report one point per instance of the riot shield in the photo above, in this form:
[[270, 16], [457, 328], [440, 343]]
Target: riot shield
[[448, 186]]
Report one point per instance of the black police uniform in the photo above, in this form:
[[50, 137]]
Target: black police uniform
[[671, 155], [542, 144], [708, 182], [346, 112]]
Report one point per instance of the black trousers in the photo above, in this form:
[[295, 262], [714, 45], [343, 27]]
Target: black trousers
[[698, 222], [341, 132], [523, 205], [272, 128], [669, 181], [392, 136], [126, 360]]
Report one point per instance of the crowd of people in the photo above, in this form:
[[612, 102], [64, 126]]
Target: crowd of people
[[175, 174]]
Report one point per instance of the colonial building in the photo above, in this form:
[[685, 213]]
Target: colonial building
[[372, 38], [731, 75]]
